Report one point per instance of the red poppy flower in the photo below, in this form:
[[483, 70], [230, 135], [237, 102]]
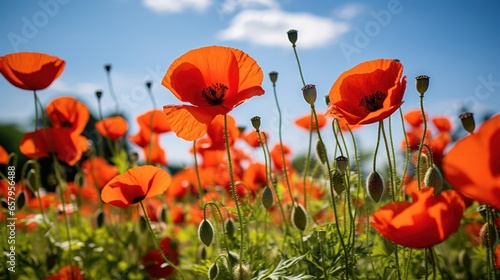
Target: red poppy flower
[[429, 220], [69, 113], [497, 256], [135, 185], [277, 158], [344, 126], [67, 147], [414, 117], [305, 122], [252, 138], [31, 71], [112, 127], [98, 172], [255, 176], [215, 133], [153, 261], [4, 156], [369, 92], [155, 153], [443, 124], [154, 120], [220, 78], [69, 272], [472, 166]]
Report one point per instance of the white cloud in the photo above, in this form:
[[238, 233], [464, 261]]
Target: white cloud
[[348, 11], [229, 6], [176, 6], [269, 27]]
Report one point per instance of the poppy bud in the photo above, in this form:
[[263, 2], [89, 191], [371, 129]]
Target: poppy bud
[[375, 186], [273, 75], [201, 253], [321, 151], [206, 232], [230, 227], [299, 217], [292, 36], [256, 123], [20, 200], [161, 214], [468, 121], [309, 92], [213, 270], [422, 83], [488, 235], [242, 272], [99, 218], [32, 181], [388, 245], [98, 93], [342, 163], [107, 67], [267, 198], [433, 178], [338, 182], [4, 203]]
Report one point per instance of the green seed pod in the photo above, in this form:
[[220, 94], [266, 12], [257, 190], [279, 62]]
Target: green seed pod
[[213, 270], [256, 122], [299, 217], [292, 36], [422, 83], [267, 198], [230, 227], [206, 232], [388, 246], [375, 186], [309, 93], [342, 163], [468, 122], [321, 151], [273, 76], [433, 178]]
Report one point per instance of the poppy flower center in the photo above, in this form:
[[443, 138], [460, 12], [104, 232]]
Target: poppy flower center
[[66, 124], [373, 102], [137, 199], [214, 94]]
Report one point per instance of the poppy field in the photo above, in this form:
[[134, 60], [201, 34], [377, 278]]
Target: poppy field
[[107, 205]]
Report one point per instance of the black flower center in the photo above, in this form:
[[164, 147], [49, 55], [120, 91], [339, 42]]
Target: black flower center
[[137, 199], [214, 94], [373, 102], [66, 124]]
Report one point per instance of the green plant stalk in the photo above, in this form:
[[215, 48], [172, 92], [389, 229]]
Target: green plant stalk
[[298, 65], [280, 122], [150, 144], [408, 264], [112, 92], [407, 155], [419, 180], [323, 264], [490, 261], [233, 192], [359, 185], [156, 242], [392, 188], [393, 154], [330, 177], [376, 148], [197, 171], [308, 158]]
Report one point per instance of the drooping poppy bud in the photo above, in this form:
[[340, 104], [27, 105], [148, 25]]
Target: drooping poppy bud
[[375, 186], [299, 217], [206, 232]]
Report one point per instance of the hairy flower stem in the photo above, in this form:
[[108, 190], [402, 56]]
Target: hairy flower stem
[[233, 192], [150, 142], [393, 195], [490, 258], [308, 158], [407, 154], [112, 92], [331, 180], [156, 242], [280, 123], [298, 65], [376, 148], [419, 180]]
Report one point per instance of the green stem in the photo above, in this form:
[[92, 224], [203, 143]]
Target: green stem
[[233, 192], [112, 92], [156, 242], [376, 148], [198, 179], [419, 180], [407, 155], [308, 158]]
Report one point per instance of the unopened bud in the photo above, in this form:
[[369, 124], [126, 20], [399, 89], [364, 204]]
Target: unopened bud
[[213, 270], [342, 163], [422, 83], [299, 217], [230, 227], [488, 235], [433, 178], [242, 272], [32, 181], [273, 75], [20, 200], [206, 232], [256, 123], [267, 198], [292, 36], [99, 218], [309, 92], [321, 152], [375, 186], [468, 121]]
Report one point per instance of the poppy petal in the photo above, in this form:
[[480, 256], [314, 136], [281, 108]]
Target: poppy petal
[[188, 122]]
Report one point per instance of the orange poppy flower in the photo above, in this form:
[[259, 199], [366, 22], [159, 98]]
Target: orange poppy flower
[[429, 220], [69, 113], [154, 120], [69, 272], [344, 126], [215, 133], [135, 185], [220, 78], [154, 153], [4, 156], [68, 148], [414, 117], [30, 70], [472, 166], [98, 172], [252, 138], [369, 92], [443, 124], [277, 158], [305, 122], [112, 127], [255, 176]]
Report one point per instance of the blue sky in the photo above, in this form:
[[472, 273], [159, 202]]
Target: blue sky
[[456, 43]]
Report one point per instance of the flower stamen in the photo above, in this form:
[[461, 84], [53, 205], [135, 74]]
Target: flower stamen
[[373, 102], [214, 94]]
